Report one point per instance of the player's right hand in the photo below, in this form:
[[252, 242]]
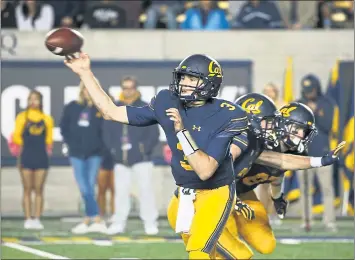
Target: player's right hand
[[244, 209], [79, 65], [332, 156]]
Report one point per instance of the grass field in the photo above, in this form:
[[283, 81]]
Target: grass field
[[55, 242]]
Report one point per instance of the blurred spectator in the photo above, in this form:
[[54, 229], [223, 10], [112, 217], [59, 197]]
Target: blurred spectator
[[34, 15], [165, 9], [133, 10], [34, 134], [335, 14], [273, 92], [206, 16], [257, 14], [67, 12], [81, 126], [234, 8], [132, 148], [323, 14], [7, 15], [342, 14], [108, 14], [298, 14], [323, 108], [105, 183]]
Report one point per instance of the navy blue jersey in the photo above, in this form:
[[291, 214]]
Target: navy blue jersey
[[212, 126], [244, 162], [259, 174]]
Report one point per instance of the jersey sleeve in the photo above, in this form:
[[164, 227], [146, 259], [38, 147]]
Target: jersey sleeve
[[237, 123], [218, 148], [49, 132], [142, 116], [241, 140], [19, 126]]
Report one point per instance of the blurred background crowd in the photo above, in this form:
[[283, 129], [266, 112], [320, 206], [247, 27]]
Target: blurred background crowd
[[185, 15]]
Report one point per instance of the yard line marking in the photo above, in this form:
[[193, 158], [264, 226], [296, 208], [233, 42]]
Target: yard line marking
[[34, 251]]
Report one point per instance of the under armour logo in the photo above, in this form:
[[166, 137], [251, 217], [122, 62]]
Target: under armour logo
[[198, 128]]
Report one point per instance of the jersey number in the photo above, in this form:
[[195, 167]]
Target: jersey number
[[184, 164], [229, 106], [258, 178]]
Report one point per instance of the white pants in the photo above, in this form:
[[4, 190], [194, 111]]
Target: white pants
[[325, 177], [141, 173]]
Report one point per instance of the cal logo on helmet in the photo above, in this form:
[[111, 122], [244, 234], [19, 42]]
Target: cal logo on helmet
[[285, 112], [251, 107], [214, 70]]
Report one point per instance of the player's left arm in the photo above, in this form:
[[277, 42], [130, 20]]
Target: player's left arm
[[297, 162], [205, 163], [49, 122]]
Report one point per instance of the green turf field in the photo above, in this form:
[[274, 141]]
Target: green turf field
[[55, 242]]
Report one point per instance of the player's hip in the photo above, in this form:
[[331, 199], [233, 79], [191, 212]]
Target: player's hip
[[225, 191], [197, 184]]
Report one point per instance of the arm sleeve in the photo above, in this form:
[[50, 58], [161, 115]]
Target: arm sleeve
[[224, 21], [219, 145], [65, 124], [142, 116], [241, 141], [49, 129], [235, 126], [19, 126], [151, 138], [218, 148]]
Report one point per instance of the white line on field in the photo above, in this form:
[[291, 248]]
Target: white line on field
[[34, 251]]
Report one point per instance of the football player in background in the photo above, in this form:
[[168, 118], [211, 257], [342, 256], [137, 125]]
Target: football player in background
[[199, 130], [290, 133]]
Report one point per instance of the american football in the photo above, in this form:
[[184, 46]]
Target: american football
[[64, 41]]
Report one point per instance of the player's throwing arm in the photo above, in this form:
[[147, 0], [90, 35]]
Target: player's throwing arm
[[82, 67]]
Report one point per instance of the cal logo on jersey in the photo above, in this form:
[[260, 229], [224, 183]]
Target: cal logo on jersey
[[251, 107], [214, 70], [36, 130], [285, 112]]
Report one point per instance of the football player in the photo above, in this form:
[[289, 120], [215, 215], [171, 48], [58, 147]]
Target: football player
[[295, 127], [199, 130]]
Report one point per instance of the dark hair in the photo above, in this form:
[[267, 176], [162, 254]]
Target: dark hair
[[130, 78], [26, 11], [39, 95], [35, 92]]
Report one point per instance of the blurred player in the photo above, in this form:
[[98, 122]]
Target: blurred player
[[34, 134], [296, 129], [199, 130]]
